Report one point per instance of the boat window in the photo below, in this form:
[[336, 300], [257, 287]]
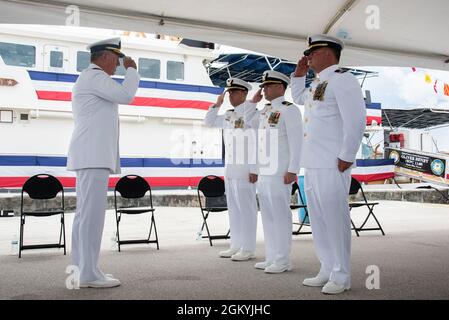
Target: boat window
[[149, 68], [82, 60], [6, 116], [175, 70], [56, 59], [14, 54]]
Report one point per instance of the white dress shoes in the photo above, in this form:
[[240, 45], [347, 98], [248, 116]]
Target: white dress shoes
[[262, 265], [276, 268], [318, 281], [243, 255], [334, 288], [101, 283], [228, 253]]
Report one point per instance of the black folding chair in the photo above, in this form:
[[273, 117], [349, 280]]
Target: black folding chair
[[212, 198], [42, 187], [130, 188], [354, 189], [304, 221]]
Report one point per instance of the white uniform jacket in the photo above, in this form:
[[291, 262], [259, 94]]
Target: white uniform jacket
[[334, 117], [95, 99], [279, 138], [239, 139]]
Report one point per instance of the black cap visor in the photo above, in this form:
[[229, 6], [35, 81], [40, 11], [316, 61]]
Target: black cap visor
[[318, 45]]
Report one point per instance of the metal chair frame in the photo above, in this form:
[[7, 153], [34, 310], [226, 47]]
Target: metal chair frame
[[354, 189], [214, 193], [42, 187], [134, 187], [302, 222]]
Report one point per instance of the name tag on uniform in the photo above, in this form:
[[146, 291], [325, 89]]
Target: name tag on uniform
[[274, 117], [238, 124], [319, 91]]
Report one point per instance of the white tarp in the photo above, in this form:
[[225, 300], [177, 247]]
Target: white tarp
[[377, 32]]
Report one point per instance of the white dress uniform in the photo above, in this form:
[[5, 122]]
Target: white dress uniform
[[279, 149], [334, 122], [240, 161], [94, 154]]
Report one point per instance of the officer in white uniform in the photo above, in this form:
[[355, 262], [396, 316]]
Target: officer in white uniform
[[334, 122], [240, 167], [279, 147], [94, 151]]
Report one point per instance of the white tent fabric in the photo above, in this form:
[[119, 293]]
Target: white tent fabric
[[409, 33]]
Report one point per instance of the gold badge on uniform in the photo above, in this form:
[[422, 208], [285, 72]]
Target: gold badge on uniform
[[274, 117], [238, 124], [319, 91]]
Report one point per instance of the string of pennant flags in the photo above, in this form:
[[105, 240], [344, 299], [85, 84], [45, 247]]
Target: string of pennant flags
[[440, 87]]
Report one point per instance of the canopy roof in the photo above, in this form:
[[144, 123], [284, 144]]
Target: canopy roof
[[414, 118], [376, 32], [250, 67]]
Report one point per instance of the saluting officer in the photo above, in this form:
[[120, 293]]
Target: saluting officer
[[334, 122], [94, 151], [240, 167], [279, 146]]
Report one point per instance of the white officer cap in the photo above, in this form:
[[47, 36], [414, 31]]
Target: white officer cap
[[237, 84], [322, 40], [271, 76], [113, 44]]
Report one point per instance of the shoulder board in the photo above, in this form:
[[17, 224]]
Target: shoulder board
[[286, 103], [231, 110], [268, 104], [97, 69], [341, 70]]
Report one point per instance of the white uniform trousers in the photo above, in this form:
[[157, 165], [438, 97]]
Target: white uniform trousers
[[91, 203], [327, 202], [242, 209], [274, 200]]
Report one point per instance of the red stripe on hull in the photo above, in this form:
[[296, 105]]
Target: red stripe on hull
[[54, 95], [170, 103], [138, 101], [70, 182]]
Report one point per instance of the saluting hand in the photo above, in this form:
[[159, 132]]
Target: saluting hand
[[302, 67], [257, 96], [220, 100], [128, 62]]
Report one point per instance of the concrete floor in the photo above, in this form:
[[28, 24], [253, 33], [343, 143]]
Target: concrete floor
[[413, 259]]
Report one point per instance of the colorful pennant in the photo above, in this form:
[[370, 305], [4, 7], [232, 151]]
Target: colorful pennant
[[436, 87]]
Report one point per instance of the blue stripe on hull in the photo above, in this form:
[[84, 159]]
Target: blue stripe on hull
[[49, 161], [71, 78]]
